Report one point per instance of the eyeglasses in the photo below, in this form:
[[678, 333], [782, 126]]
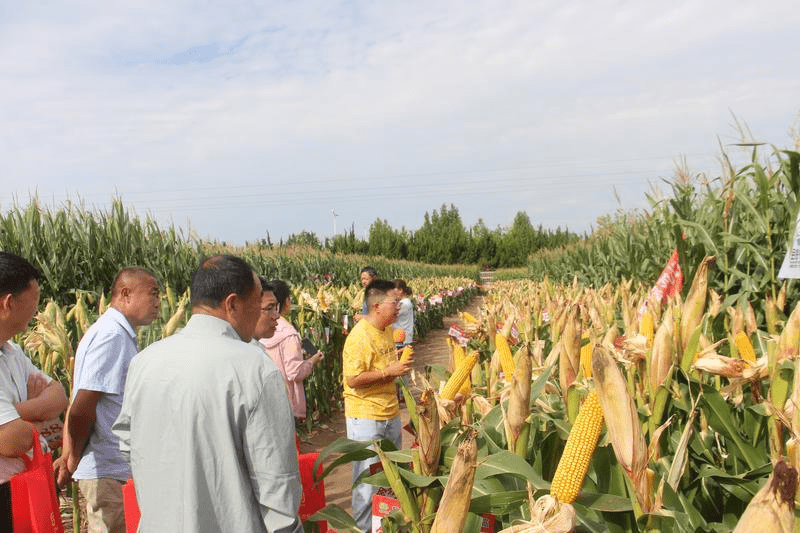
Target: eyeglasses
[[270, 309], [395, 303]]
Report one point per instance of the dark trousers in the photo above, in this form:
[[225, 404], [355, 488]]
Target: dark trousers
[[6, 520]]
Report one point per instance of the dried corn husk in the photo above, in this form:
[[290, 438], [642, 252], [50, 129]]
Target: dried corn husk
[[772, 508]]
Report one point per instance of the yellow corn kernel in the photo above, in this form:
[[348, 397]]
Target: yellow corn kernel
[[453, 384], [586, 355], [468, 318], [578, 451], [745, 347], [506, 359]]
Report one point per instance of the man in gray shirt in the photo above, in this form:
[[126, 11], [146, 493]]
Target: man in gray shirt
[[206, 422]]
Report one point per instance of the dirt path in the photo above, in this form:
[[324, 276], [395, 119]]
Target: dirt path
[[430, 350]]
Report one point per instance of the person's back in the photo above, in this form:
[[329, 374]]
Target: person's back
[[201, 392]]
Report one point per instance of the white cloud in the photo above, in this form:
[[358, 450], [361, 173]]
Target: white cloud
[[328, 101]]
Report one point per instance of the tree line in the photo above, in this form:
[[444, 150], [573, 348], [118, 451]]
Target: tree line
[[443, 239]]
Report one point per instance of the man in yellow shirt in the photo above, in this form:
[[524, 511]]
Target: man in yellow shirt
[[370, 395]]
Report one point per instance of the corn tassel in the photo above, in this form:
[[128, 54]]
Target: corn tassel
[[457, 378], [453, 508], [578, 451]]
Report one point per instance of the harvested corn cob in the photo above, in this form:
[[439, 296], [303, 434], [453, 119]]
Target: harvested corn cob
[[581, 443]]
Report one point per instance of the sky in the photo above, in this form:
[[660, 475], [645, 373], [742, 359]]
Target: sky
[[238, 119]]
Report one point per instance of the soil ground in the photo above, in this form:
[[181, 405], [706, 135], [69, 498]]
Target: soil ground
[[431, 350]]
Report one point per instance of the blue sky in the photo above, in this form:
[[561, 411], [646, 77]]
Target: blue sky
[[241, 118]]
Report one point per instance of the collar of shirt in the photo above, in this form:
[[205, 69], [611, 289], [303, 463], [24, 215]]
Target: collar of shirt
[[211, 325], [119, 318]]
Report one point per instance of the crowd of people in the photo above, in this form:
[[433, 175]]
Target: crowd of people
[[202, 421]]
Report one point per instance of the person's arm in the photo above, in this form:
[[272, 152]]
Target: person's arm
[[271, 457], [48, 400], [16, 438], [373, 377], [297, 368], [80, 423]]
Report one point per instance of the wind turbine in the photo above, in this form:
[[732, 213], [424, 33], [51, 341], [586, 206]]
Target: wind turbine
[[333, 211]]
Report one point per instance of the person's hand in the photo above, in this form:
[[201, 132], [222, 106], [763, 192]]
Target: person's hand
[[36, 384], [62, 471], [317, 357], [398, 368]]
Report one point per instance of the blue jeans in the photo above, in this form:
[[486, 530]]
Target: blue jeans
[[364, 429]]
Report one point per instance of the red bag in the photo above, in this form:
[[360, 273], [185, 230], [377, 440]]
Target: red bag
[[132, 514], [313, 498], [34, 504]]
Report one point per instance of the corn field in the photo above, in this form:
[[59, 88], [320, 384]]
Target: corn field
[[601, 417]]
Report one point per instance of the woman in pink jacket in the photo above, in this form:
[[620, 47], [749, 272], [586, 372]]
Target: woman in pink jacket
[[285, 349]]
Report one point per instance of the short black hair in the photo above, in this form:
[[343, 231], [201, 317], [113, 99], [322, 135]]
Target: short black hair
[[16, 273], [281, 292], [218, 276], [371, 271], [266, 286], [377, 289], [401, 284]]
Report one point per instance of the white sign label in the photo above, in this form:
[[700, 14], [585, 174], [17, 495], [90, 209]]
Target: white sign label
[[791, 263]]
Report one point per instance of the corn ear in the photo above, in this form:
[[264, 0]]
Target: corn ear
[[408, 351], [586, 355], [582, 440], [453, 508], [428, 434], [506, 359], [646, 327], [519, 401], [457, 378], [772, 508], [694, 306], [745, 347]]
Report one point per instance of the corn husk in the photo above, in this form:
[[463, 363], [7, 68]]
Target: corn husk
[[454, 506], [694, 306], [772, 508], [428, 435]]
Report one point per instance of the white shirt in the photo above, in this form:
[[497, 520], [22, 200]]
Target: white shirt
[[101, 365], [15, 369]]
